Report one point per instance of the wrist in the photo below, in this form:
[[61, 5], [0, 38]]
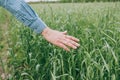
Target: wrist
[[45, 31]]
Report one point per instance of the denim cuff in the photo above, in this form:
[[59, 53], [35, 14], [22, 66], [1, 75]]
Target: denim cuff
[[38, 26]]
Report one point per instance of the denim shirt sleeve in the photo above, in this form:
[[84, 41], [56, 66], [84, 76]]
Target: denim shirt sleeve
[[24, 13]]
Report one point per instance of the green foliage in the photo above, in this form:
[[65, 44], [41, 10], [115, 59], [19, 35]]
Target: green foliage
[[98, 58], [88, 0]]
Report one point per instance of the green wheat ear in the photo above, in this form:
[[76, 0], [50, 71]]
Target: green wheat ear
[[97, 25]]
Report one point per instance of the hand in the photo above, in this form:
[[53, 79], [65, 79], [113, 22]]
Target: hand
[[60, 39]]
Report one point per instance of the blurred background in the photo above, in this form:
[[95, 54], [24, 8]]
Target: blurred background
[[27, 56], [71, 0]]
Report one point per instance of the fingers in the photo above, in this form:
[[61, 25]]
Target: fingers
[[74, 43], [66, 42], [72, 38], [63, 46], [70, 43], [60, 39]]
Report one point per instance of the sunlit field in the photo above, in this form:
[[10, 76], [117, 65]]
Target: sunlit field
[[31, 57]]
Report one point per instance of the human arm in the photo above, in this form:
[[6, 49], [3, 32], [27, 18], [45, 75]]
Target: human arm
[[25, 14]]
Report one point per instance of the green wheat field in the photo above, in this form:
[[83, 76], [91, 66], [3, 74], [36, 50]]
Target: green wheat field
[[30, 57]]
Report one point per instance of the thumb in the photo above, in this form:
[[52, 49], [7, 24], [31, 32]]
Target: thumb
[[65, 32]]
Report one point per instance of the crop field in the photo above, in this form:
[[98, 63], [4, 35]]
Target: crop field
[[31, 57]]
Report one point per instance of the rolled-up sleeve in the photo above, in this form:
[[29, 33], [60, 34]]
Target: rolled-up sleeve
[[24, 13]]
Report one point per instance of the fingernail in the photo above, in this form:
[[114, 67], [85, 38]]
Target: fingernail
[[68, 50], [78, 45], [75, 47]]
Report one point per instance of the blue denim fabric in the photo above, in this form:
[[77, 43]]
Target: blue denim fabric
[[24, 13]]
